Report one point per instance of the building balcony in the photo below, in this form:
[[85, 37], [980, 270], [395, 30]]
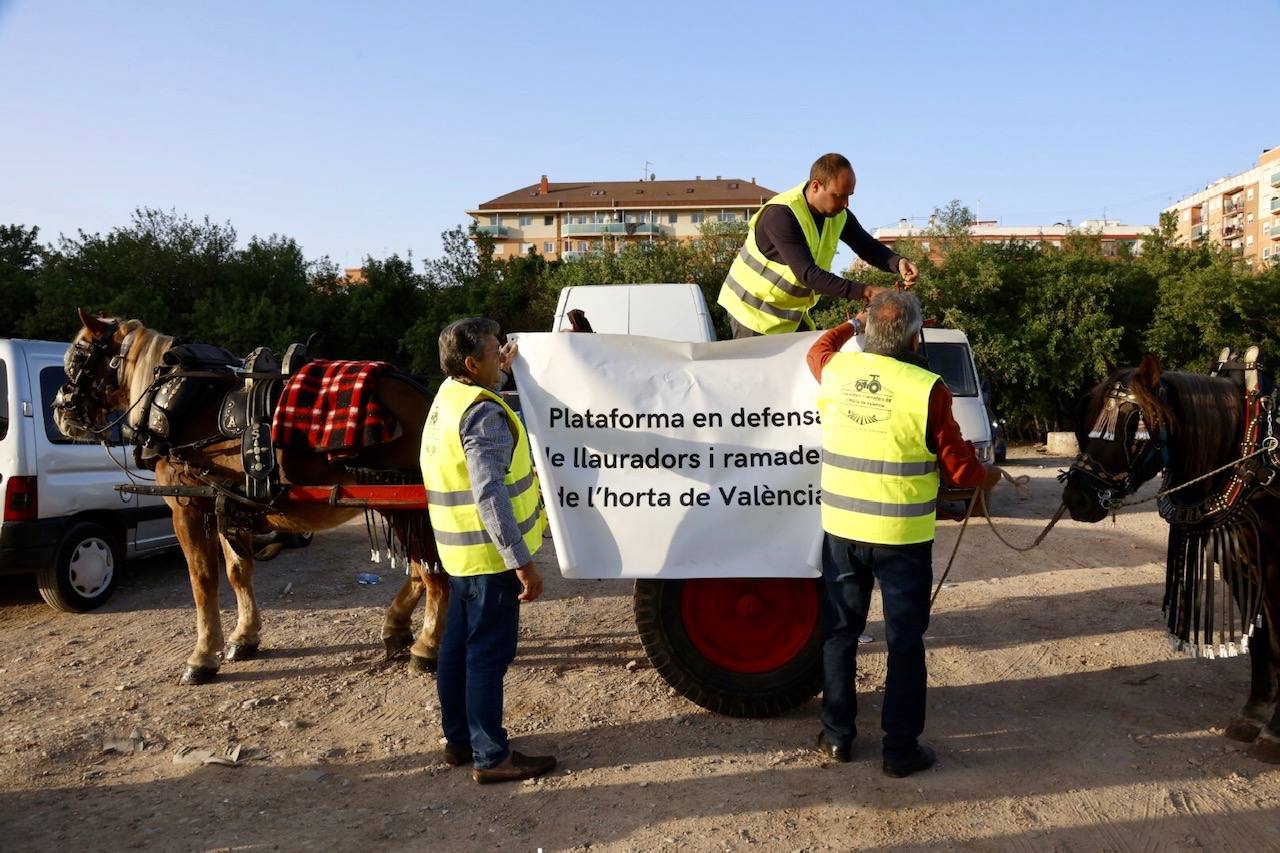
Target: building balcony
[[1199, 232], [494, 230], [619, 228], [1275, 180], [1275, 233], [1275, 205], [1231, 231], [1237, 249], [1231, 207]]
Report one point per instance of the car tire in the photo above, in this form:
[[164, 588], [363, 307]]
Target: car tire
[[711, 670], [84, 574]]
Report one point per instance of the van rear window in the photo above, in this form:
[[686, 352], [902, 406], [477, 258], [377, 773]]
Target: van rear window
[[951, 362], [4, 400], [51, 379]]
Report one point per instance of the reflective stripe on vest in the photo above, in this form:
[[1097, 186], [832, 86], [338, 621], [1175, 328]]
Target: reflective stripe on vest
[[765, 296], [462, 541], [879, 478]]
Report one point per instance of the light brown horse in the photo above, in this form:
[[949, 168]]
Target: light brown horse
[[111, 365]]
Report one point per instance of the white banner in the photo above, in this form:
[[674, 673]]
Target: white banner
[[675, 460]]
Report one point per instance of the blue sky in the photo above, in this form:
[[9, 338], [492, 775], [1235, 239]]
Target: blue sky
[[369, 128]]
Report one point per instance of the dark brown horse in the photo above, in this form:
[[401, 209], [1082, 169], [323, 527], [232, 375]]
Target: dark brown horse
[[102, 380], [1222, 589]]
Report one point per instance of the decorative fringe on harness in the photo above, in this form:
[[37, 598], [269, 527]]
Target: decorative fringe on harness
[[1213, 577], [1213, 586], [414, 537]]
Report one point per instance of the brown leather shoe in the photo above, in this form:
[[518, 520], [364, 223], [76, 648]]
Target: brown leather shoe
[[517, 766], [456, 756]]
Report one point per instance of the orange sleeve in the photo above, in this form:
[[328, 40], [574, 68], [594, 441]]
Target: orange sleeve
[[826, 346], [957, 461]]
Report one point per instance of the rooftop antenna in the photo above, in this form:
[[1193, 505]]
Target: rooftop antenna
[[648, 175]]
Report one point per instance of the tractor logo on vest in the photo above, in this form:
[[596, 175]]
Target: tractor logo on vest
[[431, 432], [866, 400]]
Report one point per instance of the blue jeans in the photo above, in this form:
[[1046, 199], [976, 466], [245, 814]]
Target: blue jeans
[[479, 644], [849, 570]]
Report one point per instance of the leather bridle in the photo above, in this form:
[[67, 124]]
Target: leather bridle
[[86, 378], [1140, 451]]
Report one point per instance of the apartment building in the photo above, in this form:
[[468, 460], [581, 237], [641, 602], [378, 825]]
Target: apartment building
[[1241, 212], [924, 240], [564, 220]]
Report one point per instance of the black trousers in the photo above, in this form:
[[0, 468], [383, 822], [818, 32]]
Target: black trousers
[[905, 572]]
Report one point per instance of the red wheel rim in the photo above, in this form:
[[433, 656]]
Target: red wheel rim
[[750, 625]]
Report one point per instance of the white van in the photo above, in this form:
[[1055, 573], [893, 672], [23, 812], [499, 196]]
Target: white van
[[62, 518], [676, 312], [951, 357]]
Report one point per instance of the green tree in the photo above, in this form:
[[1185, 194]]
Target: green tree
[[156, 269], [21, 256]]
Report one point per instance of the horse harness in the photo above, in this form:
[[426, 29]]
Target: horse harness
[[1254, 473], [1213, 583], [1139, 452], [247, 391]]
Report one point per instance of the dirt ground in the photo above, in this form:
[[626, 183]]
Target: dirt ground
[[1062, 720]]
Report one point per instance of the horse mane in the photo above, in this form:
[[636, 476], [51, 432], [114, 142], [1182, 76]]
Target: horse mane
[[145, 352], [1202, 415], [1211, 413]]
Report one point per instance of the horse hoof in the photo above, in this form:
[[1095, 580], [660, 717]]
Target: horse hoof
[[198, 674], [1243, 729], [268, 552], [242, 651], [421, 665], [1266, 748], [395, 644]]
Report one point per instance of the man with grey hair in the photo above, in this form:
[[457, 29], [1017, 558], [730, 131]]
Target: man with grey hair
[[887, 433], [487, 519]]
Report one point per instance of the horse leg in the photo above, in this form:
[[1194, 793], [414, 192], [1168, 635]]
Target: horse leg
[[397, 632], [424, 652], [1260, 707], [237, 550], [1265, 644], [199, 546]]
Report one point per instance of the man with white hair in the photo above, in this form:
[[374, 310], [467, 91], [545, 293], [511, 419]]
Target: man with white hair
[[887, 434]]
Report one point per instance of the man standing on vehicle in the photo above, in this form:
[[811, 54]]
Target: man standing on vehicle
[[887, 431], [785, 263], [482, 497]]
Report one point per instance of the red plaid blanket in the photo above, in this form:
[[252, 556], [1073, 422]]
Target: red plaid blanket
[[329, 407]]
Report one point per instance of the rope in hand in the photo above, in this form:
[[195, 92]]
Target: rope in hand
[[979, 497]]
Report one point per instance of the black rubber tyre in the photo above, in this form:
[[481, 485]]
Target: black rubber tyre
[[660, 621], [84, 574]]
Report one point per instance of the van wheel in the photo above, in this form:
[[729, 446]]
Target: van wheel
[[84, 574], [745, 647]]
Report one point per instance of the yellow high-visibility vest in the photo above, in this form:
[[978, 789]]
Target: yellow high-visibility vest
[[462, 541], [765, 296], [879, 478]]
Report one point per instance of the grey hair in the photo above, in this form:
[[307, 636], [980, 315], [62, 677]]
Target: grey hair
[[893, 319], [463, 338]]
